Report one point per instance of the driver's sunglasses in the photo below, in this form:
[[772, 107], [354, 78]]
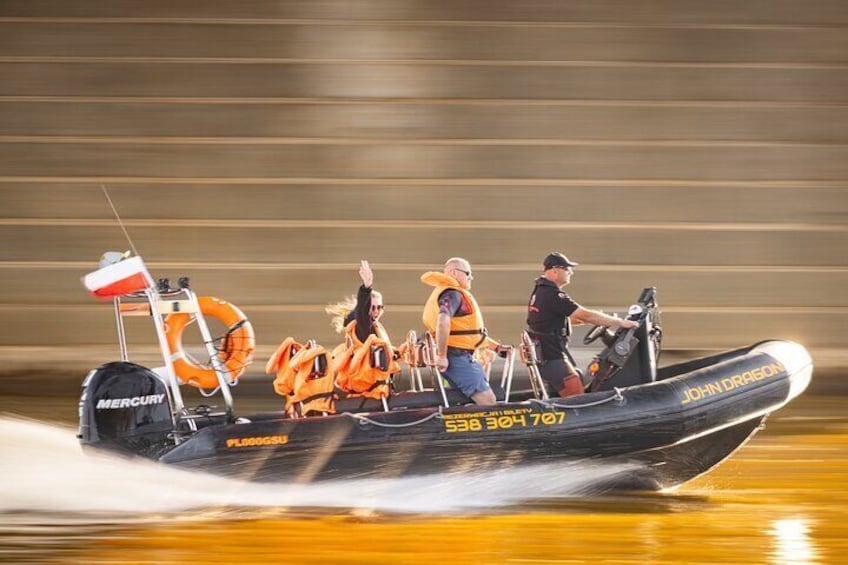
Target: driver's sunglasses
[[377, 307], [568, 270], [466, 273]]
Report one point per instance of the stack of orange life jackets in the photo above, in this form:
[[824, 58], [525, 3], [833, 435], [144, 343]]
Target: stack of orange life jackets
[[304, 376], [365, 368], [310, 379]]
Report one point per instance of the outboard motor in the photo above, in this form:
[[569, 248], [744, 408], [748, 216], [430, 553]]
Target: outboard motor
[[631, 355], [125, 407]]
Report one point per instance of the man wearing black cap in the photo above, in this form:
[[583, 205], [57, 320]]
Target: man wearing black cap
[[549, 317]]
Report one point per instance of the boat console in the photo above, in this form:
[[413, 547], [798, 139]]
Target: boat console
[[630, 356]]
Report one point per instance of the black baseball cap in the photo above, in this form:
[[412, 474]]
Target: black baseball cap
[[557, 260]]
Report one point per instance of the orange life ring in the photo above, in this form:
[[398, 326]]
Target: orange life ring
[[236, 351]]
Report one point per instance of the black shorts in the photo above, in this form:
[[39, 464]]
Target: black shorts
[[553, 371]]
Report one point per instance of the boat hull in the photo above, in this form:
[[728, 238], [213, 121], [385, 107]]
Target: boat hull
[[671, 431]]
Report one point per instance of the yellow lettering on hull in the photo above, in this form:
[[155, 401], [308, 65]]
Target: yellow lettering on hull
[[505, 419], [727, 384], [259, 441]]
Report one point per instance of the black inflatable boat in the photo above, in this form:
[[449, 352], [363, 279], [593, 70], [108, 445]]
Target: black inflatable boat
[[674, 423]]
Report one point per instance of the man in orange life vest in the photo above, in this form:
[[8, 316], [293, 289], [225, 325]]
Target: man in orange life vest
[[453, 316], [549, 316]]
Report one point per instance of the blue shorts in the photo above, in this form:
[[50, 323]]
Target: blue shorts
[[466, 374]]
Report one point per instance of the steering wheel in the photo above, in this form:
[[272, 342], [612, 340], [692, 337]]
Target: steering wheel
[[594, 334]]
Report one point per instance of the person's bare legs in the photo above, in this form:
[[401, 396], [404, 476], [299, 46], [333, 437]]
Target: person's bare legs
[[484, 398]]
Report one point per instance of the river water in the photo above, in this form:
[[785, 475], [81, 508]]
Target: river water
[[780, 499]]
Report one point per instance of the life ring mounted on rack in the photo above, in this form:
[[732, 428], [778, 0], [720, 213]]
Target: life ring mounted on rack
[[235, 349]]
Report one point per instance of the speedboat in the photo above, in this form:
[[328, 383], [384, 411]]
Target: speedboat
[[671, 423]]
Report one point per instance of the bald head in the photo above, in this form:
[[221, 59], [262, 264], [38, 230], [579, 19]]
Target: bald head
[[457, 263], [460, 269]]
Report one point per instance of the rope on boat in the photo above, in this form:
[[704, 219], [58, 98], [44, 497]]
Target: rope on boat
[[366, 420], [206, 394], [617, 396]]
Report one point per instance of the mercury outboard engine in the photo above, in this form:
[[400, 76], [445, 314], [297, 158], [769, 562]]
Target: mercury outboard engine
[[125, 407], [631, 355]]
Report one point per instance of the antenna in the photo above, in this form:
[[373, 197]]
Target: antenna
[[120, 223]]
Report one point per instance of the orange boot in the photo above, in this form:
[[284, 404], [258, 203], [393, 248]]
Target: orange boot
[[571, 386]]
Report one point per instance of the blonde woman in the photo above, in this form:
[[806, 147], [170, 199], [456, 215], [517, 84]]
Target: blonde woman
[[359, 316], [358, 372]]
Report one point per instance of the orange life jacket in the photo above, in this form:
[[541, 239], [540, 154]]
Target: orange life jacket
[[313, 383], [364, 369], [466, 332], [304, 376], [278, 365]]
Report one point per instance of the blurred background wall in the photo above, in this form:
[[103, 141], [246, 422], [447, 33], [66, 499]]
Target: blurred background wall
[[264, 147]]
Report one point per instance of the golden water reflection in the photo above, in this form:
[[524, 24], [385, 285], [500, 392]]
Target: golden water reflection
[[792, 542], [780, 500]]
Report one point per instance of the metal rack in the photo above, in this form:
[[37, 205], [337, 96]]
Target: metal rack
[[159, 303]]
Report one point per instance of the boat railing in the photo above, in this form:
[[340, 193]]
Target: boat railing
[[530, 357], [423, 353], [158, 303], [430, 356], [414, 360], [507, 373]]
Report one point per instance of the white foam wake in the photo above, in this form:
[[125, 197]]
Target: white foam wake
[[44, 470]]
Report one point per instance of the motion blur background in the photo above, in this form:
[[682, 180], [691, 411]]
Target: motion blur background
[[264, 147]]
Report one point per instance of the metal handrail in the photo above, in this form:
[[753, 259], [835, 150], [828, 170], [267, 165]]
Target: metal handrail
[[122, 339], [159, 309], [507, 374], [221, 371], [527, 350], [179, 406], [416, 384], [430, 358]]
